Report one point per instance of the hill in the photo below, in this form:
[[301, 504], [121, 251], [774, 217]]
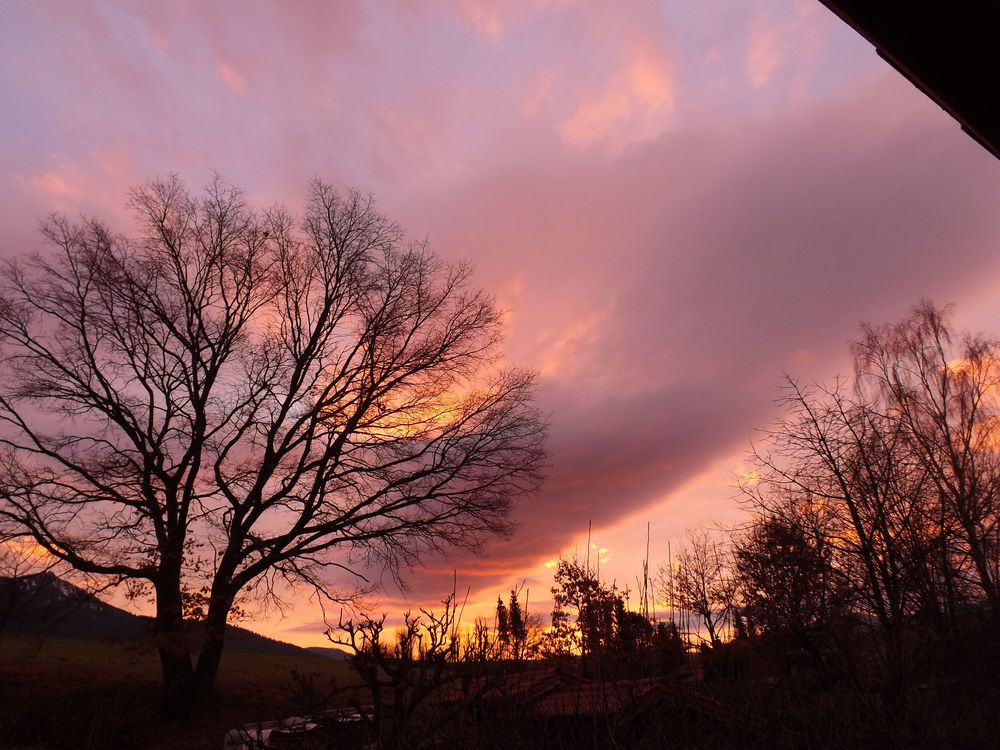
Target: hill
[[46, 605], [329, 652]]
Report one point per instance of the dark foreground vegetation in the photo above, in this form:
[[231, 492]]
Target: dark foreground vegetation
[[67, 693], [87, 694], [605, 676]]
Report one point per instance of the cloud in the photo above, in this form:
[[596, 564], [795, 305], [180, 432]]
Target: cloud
[[95, 182], [803, 356], [634, 106], [538, 94], [489, 18], [764, 52], [54, 186], [726, 252], [485, 18], [774, 42], [233, 79], [563, 354]]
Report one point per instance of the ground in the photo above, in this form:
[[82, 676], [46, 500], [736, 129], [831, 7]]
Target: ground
[[88, 695]]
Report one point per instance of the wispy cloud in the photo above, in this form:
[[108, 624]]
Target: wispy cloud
[[233, 79], [634, 106], [764, 53]]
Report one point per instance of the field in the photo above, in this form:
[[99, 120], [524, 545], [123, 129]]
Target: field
[[85, 694]]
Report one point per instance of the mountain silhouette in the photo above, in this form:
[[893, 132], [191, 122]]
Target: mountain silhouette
[[46, 605]]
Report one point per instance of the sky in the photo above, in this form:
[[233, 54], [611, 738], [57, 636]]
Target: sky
[[676, 203]]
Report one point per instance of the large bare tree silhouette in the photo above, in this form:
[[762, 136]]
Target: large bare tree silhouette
[[235, 395]]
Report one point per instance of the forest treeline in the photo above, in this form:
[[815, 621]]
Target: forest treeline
[[858, 603]]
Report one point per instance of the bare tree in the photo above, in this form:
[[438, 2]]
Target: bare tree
[[403, 673], [702, 583], [902, 467], [839, 457], [944, 389], [236, 397]]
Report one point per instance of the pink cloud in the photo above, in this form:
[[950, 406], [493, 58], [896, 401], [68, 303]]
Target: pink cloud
[[489, 18], [724, 249], [538, 94], [764, 53], [233, 79], [566, 348], [96, 183], [54, 186], [485, 18], [802, 356], [773, 42], [634, 106]]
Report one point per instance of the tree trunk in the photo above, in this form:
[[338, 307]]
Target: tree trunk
[[895, 684], [175, 660], [213, 639]]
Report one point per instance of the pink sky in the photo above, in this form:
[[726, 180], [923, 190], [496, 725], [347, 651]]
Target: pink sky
[[677, 202]]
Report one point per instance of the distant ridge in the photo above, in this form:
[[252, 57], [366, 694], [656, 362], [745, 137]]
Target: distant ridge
[[329, 652], [44, 604]]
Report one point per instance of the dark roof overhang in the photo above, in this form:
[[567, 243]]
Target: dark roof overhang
[[949, 50]]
